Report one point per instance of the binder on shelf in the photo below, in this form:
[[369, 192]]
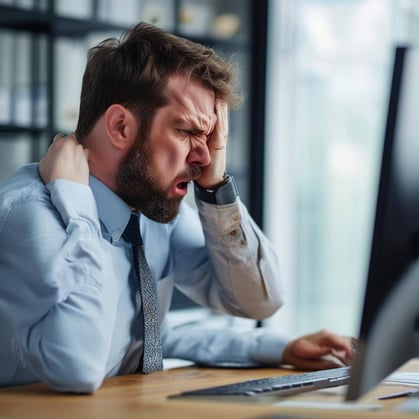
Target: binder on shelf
[[158, 12], [112, 12], [41, 5], [69, 63], [81, 9], [21, 84], [195, 18], [40, 85], [6, 2], [25, 4], [6, 48]]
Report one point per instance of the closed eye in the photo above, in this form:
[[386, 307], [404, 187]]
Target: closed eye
[[183, 132], [194, 133]]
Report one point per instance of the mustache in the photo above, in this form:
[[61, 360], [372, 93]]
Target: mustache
[[193, 173]]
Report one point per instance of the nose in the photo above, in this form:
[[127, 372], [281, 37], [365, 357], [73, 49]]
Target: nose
[[199, 154]]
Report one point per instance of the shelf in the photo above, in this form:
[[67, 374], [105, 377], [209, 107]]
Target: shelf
[[12, 18], [18, 129], [41, 22]]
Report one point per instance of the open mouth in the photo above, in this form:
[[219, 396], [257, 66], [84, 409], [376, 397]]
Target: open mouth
[[182, 185]]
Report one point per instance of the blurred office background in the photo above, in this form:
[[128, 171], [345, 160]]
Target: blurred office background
[[305, 148]]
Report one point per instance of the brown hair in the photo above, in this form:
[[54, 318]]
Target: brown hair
[[134, 72]]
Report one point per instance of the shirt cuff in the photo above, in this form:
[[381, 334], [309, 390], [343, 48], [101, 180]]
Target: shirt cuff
[[268, 348], [73, 200]]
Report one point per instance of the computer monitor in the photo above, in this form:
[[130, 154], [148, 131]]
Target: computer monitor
[[391, 301]]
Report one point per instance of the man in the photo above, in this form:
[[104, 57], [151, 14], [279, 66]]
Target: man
[[153, 118]]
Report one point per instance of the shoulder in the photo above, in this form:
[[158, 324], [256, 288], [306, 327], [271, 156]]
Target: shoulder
[[25, 183], [23, 189]]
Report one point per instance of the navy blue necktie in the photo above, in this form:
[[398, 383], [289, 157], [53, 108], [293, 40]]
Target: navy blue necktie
[[152, 356]]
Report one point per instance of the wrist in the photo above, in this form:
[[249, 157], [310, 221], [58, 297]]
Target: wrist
[[222, 194]]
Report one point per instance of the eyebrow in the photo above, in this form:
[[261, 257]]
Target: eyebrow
[[191, 126]]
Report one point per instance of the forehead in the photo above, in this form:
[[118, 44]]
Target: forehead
[[190, 97]]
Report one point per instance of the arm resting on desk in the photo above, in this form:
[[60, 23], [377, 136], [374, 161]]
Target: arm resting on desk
[[216, 346]]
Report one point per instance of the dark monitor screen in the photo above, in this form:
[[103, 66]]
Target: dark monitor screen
[[386, 337]]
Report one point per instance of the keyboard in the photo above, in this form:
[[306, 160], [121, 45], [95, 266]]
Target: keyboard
[[282, 385]]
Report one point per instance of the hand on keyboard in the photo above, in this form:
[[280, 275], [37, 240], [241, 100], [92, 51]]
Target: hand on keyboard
[[321, 350]]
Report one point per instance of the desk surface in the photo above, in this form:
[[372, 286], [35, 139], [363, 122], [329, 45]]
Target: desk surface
[[145, 396]]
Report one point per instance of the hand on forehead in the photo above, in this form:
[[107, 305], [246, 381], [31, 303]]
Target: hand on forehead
[[193, 102]]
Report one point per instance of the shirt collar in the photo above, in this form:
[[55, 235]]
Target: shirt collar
[[113, 212]]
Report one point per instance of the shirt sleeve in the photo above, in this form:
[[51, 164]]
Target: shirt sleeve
[[225, 262], [53, 251], [223, 346]]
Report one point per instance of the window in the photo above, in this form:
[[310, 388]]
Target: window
[[329, 68]]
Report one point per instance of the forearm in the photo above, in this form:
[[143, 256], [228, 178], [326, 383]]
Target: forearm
[[218, 346], [242, 258]]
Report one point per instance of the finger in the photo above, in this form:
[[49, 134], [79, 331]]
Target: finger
[[337, 342], [354, 344], [342, 357], [317, 363], [224, 116], [308, 349], [344, 349], [57, 137], [221, 110]]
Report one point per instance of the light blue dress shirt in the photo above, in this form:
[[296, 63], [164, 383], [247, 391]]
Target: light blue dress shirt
[[69, 315]]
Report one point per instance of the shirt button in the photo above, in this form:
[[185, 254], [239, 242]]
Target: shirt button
[[115, 236], [233, 233]]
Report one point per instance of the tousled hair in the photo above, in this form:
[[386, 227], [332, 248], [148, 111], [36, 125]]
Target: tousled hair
[[133, 71]]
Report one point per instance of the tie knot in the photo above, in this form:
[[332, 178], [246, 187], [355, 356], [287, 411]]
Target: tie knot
[[132, 231]]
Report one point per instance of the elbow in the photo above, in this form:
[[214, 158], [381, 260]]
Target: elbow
[[72, 374], [85, 381], [271, 307], [272, 296], [274, 301], [263, 307]]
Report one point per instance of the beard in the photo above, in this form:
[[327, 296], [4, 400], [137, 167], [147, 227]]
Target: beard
[[138, 185]]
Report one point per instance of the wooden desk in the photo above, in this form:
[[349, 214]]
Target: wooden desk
[[145, 396]]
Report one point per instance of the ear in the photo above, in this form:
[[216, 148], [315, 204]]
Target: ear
[[121, 126]]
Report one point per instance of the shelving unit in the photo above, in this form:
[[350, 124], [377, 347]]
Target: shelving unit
[[28, 101], [52, 46]]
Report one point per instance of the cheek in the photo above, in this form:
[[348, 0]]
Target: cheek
[[171, 158]]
